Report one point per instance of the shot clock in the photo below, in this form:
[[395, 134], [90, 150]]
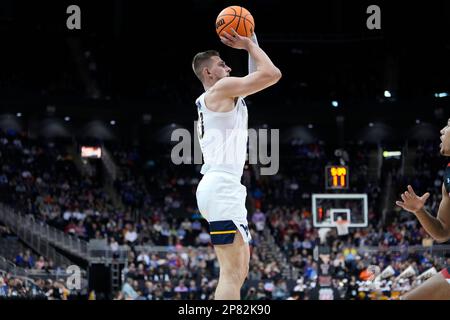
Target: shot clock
[[336, 177]]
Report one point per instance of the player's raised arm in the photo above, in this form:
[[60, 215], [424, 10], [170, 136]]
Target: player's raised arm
[[439, 227], [265, 75], [251, 61]]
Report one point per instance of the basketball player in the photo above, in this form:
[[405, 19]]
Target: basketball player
[[222, 133], [438, 286]]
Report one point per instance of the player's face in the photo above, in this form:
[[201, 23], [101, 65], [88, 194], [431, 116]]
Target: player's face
[[219, 69], [445, 140]]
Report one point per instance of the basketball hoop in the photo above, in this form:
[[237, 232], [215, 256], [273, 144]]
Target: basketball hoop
[[342, 227], [327, 208]]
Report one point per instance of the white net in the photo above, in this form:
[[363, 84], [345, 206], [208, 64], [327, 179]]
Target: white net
[[342, 227]]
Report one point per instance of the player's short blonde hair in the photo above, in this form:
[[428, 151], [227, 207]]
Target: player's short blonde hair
[[200, 60]]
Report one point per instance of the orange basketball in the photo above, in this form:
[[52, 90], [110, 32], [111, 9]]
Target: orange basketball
[[237, 18]]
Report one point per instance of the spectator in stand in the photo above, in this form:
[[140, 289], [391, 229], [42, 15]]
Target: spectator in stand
[[280, 291], [204, 239], [128, 291], [193, 290], [182, 289], [20, 260], [4, 290], [40, 264], [29, 260], [130, 234], [251, 294], [259, 219]]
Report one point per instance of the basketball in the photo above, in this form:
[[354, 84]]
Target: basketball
[[237, 18]]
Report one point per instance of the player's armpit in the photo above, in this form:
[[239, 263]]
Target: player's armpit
[[231, 87], [444, 213]]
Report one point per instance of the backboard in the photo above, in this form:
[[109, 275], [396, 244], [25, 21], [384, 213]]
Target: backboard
[[328, 207]]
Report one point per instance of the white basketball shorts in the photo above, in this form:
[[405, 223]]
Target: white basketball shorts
[[221, 201]]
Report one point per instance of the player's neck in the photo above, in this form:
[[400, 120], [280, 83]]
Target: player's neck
[[208, 84]]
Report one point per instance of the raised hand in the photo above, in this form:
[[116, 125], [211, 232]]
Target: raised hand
[[412, 202], [235, 41]]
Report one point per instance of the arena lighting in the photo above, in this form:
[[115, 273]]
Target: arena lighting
[[370, 124], [441, 95], [91, 152], [310, 126], [113, 122], [334, 103], [18, 114], [387, 94], [417, 121], [66, 118], [391, 154]]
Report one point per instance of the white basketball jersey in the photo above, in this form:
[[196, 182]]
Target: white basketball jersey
[[223, 137]]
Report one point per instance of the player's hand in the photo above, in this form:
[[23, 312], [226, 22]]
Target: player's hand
[[235, 41], [412, 202]]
